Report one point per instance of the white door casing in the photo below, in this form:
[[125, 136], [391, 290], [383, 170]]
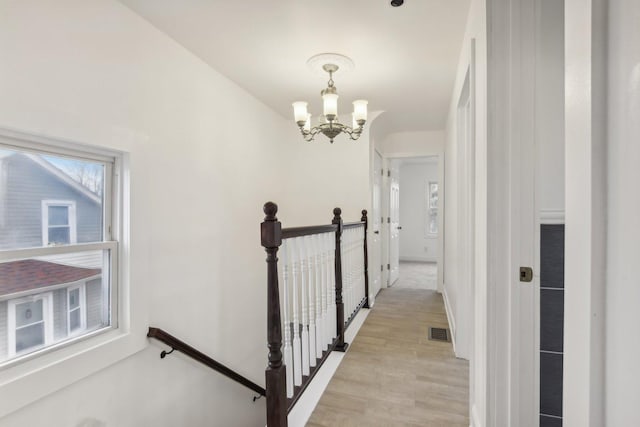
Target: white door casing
[[394, 223], [375, 279], [466, 223]]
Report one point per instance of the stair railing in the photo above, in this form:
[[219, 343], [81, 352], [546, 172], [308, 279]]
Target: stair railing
[[324, 276]]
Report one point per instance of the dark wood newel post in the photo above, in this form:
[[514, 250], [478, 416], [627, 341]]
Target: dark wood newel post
[[275, 380], [366, 258], [340, 344]]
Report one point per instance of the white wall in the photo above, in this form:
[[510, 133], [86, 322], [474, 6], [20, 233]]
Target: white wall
[[204, 156], [549, 106], [321, 176], [622, 399], [411, 144], [415, 242], [475, 35]]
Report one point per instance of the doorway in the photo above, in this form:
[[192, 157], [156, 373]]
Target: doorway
[[414, 229]]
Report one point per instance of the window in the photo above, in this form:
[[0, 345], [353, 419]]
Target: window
[[432, 208], [58, 222], [58, 253], [76, 309], [30, 323], [34, 169]]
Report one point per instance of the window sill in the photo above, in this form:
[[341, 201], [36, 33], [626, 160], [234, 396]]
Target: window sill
[[25, 382]]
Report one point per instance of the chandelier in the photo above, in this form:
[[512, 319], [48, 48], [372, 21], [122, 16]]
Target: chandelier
[[329, 124]]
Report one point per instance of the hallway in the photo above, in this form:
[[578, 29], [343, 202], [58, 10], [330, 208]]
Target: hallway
[[417, 275], [392, 375]]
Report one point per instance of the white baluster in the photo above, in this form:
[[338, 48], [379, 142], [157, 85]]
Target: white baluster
[[359, 265], [288, 354], [346, 274], [311, 257], [326, 280], [297, 348], [304, 304], [355, 268], [318, 288], [361, 262], [349, 274], [331, 309]]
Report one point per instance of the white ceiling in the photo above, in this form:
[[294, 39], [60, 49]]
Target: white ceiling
[[405, 58]]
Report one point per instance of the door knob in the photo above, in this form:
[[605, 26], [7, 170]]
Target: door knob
[[399, 228], [376, 232]]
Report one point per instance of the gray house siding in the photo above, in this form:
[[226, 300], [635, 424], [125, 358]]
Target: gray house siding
[[94, 304], [27, 184], [59, 314], [3, 330]]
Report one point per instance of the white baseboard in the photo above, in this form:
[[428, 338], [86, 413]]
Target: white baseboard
[[474, 418], [450, 317]]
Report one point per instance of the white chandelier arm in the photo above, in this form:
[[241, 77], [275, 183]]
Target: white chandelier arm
[[310, 134], [331, 130]]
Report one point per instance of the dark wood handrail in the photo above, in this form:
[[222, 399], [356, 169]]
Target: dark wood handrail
[[184, 348], [290, 232], [352, 224]]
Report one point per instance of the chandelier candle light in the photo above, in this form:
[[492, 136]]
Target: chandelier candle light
[[331, 127]]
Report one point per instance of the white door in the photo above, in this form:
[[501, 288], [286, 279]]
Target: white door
[[394, 224], [375, 262]]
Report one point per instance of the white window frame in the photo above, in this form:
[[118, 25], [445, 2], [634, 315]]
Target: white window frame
[[71, 206], [82, 306], [430, 210], [47, 317], [29, 378]]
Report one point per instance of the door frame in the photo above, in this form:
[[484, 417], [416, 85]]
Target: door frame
[[466, 207], [389, 237], [373, 259], [439, 153]]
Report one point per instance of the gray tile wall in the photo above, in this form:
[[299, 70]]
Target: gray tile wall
[[551, 323]]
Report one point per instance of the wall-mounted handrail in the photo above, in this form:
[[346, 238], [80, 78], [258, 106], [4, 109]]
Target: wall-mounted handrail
[[186, 349]]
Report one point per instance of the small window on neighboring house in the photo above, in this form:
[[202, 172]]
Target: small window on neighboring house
[[77, 314], [58, 222], [30, 323]]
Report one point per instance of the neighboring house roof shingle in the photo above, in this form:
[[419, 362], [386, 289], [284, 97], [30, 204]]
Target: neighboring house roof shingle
[[30, 274]]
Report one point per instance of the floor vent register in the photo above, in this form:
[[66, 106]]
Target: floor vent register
[[439, 334]]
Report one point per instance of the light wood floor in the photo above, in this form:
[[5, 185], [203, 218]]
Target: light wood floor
[[393, 375]]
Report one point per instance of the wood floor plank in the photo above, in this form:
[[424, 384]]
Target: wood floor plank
[[393, 375]]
